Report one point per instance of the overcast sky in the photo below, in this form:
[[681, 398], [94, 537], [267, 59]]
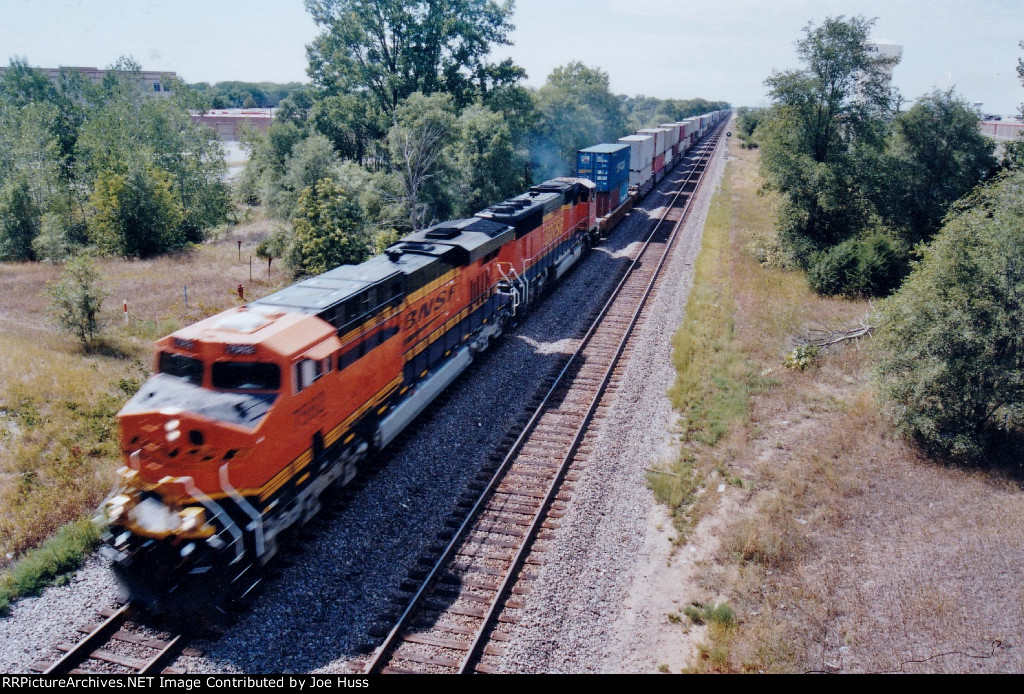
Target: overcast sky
[[716, 49]]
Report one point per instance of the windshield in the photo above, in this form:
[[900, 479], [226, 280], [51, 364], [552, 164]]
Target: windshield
[[246, 375], [182, 367]]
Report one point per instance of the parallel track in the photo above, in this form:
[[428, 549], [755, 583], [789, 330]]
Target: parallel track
[[452, 615]]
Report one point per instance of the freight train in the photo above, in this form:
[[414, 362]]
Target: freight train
[[254, 412]]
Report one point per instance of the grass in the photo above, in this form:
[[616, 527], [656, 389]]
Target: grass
[[715, 376], [50, 562], [837, 546], [742, 316], [58, 433]]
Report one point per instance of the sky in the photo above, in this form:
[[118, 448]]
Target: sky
[[715, 49]]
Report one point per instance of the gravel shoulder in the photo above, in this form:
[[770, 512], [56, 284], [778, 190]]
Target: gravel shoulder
[[600, 601], [336, 583]]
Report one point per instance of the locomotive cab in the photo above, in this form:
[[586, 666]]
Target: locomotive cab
[[229, 395]]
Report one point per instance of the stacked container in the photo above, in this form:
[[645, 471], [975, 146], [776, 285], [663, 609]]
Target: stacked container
[[660, 136], [607, 166], [641, 156], [689, 132], [673, 141]]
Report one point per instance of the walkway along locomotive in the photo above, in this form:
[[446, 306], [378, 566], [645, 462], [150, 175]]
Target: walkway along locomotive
[[253, 413]]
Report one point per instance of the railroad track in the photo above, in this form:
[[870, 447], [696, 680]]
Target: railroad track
[[118, 645], [455, 620]]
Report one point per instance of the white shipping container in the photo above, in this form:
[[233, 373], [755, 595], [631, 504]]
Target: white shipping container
[[638, 178], [641, 151], [660, 139], [673, 133]]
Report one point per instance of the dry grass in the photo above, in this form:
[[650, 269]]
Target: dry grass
[[58, 438], [850, 551]]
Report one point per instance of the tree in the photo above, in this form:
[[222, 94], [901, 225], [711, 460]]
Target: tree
[[75, 300], [393, 48], [578, 109], [827, 118], [937, 155], [273, 246], [20, 219], [1013, 152], [136, 214], [489, 167], [419, 143], [330, 230], [311, 160], [125, 129], [951, 348]]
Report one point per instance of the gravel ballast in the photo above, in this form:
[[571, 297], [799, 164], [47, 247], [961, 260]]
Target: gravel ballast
[[573, 620], [345, 574]]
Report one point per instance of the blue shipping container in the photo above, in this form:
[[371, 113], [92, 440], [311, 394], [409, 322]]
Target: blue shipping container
[[606, 165]]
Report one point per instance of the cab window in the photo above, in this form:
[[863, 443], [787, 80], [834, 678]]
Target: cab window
[[246, 375], [308, 371], [180, 366]]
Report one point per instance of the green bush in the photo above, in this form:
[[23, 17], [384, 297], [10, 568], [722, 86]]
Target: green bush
[[951, 345], [871, 266], [76, 299], [330, 230]]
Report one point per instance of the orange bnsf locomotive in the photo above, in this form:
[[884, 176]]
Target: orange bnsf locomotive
[[254, 412]]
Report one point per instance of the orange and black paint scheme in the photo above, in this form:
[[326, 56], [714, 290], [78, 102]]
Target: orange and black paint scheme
[[254, 412]]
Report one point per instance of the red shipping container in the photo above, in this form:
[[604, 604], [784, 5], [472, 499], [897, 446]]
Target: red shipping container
[[607, 202], [659, 163]]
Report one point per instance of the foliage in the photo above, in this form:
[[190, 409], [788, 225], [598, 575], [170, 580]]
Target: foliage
[[136, 214], [329, 229], [747, 120], [951, 348], [577, 110], [801, 357], [76, 298], [861, 185], [826, 120], [63, 137], [486, 158], [234, 94], [274, 246], [720, 613], [19, 221], [391, 49], [870, 266], [420, 142], [936, 156], [310, 160]]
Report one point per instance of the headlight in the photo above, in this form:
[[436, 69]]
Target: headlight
[[192, 518], [117, 505], [152, 516]]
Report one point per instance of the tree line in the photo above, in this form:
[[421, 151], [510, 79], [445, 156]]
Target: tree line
[[103, 166], [409, 120], [879, 201], [405, 117]]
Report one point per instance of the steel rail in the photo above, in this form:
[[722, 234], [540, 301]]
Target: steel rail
[[581, 431], [106, 632], [391, 641]]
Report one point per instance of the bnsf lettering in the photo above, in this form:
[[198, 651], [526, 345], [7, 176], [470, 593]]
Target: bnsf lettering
[[432, 305]]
